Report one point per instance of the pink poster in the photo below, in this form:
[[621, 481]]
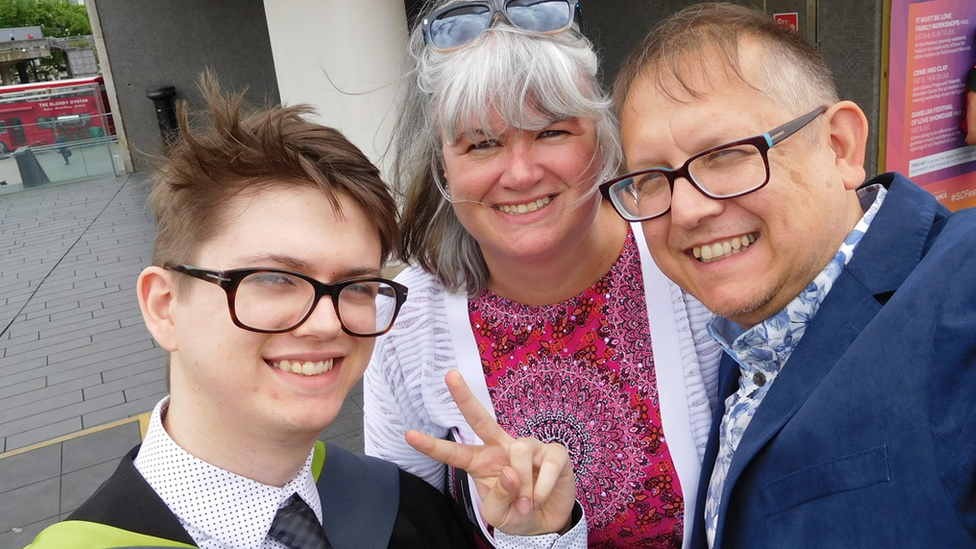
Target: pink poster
[[933, 46]]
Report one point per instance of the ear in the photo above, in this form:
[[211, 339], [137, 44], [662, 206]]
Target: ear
[[156, 299], [848, 129]]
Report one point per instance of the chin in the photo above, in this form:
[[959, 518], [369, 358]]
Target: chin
[[305, 426], [743, 313]]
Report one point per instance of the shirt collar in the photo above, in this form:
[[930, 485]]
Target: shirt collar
[[766, 346], [218, 508]]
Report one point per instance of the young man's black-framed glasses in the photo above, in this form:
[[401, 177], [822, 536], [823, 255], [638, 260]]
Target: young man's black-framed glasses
[[721, 172], [458, 24], [274, 301]]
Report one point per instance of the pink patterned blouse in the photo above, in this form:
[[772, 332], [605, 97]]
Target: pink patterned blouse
[[581, 372]]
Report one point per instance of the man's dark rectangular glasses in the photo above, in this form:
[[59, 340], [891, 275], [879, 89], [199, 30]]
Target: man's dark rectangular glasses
[[721, 172], [274, 301], [455, 25]]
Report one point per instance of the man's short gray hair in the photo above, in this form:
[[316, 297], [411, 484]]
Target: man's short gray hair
[[790, 71]]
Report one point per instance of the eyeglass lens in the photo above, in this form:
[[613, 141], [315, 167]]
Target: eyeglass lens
[[279, 301], [539, 16], [462, 24], [724, 172]]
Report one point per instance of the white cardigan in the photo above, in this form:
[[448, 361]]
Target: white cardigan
[[404, 383]]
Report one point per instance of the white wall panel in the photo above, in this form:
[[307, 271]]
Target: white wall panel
[[345, 57]]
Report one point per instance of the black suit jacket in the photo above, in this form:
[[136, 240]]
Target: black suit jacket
[[365, 503]]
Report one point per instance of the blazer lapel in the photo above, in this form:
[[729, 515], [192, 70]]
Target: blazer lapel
[[824, 342], [127, 501], [728, 383], [885, 257]]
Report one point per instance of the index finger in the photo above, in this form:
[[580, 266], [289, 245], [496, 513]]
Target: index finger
[[474, 412], [450, 453]]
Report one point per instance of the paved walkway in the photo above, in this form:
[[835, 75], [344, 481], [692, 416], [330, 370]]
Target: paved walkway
[[77, 366], [75, 353]]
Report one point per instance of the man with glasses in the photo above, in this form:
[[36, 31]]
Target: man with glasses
[[847, 310], [266, 292]]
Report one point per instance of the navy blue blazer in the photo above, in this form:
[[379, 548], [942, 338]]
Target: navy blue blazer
[[867, 439]]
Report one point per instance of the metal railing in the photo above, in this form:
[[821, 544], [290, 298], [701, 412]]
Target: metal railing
[[72, 43]]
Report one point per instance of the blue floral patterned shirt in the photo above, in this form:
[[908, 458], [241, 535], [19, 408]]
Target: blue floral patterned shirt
[[762, 351]]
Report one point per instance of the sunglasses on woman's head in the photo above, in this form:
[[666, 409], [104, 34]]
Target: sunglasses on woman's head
[[454, 26]]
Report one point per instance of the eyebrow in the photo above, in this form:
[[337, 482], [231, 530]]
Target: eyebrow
[[361, 271], [713, 139], [469, 135], [296, 264]]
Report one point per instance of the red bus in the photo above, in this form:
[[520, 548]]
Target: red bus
[[42, 113]]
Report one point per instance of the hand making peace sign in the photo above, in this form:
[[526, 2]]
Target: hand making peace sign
[[526, 487]]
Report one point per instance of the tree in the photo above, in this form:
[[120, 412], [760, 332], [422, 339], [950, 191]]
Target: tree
[[56, 19], [17, 13]]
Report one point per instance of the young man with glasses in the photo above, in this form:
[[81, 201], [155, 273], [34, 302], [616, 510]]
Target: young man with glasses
[[266, 291], [847, 405]]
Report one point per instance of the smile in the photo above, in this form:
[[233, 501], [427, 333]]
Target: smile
[[306, 368], [723, 249], [518, 209]]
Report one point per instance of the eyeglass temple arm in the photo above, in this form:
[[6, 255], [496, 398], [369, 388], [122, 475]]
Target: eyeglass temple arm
[[214, 277], [776, 135]]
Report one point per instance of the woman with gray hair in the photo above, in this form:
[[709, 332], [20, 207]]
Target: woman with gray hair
[[523, 279]]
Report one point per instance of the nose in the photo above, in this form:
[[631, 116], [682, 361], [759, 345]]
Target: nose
[[523, 168], [323, 322], [689, 206]]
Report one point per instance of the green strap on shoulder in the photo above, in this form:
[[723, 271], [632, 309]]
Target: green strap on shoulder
[[318, 459], [79, 534]]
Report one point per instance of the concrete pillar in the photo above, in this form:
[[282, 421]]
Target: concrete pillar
[[343, 57], [124, 155]]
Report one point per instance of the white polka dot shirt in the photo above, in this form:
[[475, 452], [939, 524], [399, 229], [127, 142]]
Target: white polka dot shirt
[[219, 509]]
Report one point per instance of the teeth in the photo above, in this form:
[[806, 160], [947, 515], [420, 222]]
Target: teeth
[[306, 368], [721, 250], [516, 209]]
